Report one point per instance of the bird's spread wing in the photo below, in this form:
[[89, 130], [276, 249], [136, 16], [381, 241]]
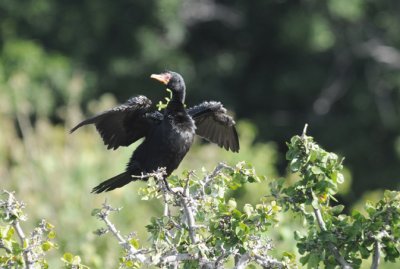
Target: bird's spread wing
[[124, 124], [215, 125]]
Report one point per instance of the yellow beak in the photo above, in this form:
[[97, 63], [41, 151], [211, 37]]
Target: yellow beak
[[163, 78]]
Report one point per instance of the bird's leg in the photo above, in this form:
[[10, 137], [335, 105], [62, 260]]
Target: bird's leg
[[163, 184], [166, 184], [166, 187]]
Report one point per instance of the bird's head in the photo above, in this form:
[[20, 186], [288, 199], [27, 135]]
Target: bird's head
[[172, 80]]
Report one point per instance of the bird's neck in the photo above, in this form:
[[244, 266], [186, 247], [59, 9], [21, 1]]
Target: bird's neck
[[179, 97], [177, 101]]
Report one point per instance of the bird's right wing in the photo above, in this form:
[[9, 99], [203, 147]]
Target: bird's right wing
[[126, 123], [215, 125]]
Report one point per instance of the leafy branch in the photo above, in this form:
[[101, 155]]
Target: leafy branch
[[162, 105], [21, 251], [334, 238], [200, 228], [203, 227]]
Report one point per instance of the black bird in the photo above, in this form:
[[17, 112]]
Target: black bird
[[167, 136]]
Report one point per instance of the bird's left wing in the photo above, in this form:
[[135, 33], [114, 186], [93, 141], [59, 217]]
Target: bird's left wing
[[215, 125], [126, 123]]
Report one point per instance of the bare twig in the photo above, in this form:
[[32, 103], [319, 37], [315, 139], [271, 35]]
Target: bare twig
[[304, 130], [186, 187], [103, 215], [158, 174], [215, 173]]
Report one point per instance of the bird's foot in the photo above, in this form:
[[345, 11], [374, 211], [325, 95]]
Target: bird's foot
[[166, 188], [166, 184]]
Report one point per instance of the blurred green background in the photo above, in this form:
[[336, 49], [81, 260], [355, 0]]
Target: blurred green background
[[275, 64]]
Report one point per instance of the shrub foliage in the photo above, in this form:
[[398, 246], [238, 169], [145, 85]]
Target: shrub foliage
[[202, 225]]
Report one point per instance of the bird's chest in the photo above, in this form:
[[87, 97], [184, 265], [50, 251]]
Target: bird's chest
[[181, 131]]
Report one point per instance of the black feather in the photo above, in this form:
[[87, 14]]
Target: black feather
[[168, 136]]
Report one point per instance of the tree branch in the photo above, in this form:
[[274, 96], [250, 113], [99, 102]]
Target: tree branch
[[126, 245], [215, 173], [4, 247], [268, 262], [166, 207], [28, 261], [11, 208], [158, 174], [243, 260], [377, 255], [304, 130], [338, 257], [190, 217], [188, 199]]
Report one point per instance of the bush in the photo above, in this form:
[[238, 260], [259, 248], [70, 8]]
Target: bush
[[203, 226]]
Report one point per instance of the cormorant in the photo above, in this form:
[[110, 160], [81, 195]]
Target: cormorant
[[167, 136]]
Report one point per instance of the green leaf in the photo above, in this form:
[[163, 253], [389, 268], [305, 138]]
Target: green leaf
[[95, 212], [231, 204], [244, 227], [134, 243], [47, 245], [236, 214], [248, 209], [313, 261], [295, 165], [253, 179], [364, 252], [49, 226], [313, 155], [340, 178], [357, 215], [391, 195], [290, 154], [237, 230], [297, 235], [295, 140], [10, 233], [16, 248], [51, 235], [68, 257], [165, 220], [291, 256], [76, 260], [336, 210], [129, 263], [304, 259], [316, 170]]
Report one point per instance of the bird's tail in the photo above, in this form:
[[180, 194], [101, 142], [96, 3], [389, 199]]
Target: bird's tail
[[113, 183]]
